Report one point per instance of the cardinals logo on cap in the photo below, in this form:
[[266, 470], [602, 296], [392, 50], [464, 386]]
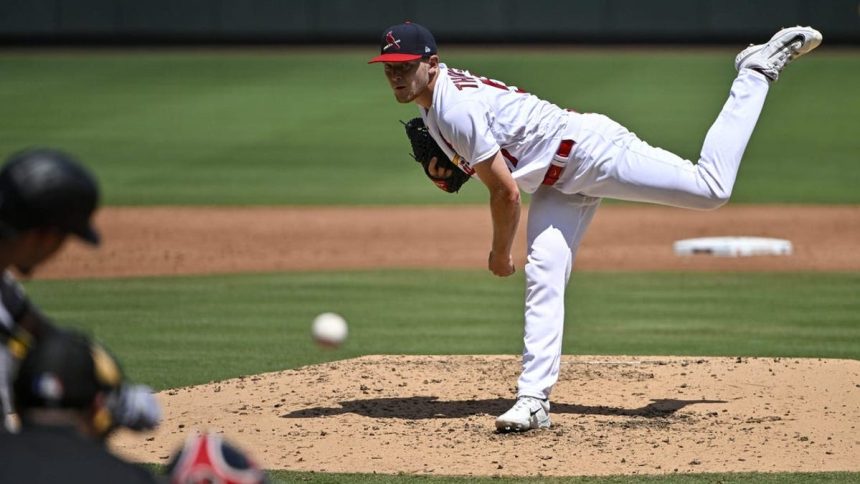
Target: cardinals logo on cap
[[390, 41]]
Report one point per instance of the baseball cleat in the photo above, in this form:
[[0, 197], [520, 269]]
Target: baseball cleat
[[771, 58], [528, 413]]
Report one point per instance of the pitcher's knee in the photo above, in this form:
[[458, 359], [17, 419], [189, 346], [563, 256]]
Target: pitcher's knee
[[548, 256], [711, 200], [715, 201]]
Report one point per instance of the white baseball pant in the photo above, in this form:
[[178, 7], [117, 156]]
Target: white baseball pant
[[610, 161]]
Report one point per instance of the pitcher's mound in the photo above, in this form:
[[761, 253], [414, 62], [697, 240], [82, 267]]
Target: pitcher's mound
[[611, 415]]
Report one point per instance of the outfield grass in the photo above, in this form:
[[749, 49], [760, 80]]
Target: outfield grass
[[187, 330], [306, 127]]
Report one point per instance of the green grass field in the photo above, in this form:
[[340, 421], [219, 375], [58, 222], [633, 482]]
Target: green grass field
[[736, 478], [320, 127], [775, 478], [190, 330]]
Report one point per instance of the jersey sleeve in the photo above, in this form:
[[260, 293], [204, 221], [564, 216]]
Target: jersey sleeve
[[13, 302], [467, 129]]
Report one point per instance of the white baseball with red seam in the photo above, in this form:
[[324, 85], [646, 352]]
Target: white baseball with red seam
[[329, 329]]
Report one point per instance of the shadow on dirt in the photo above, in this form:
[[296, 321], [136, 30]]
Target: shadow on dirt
[[425, 407]]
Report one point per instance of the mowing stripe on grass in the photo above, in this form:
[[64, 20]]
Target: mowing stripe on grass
[[185, 330]]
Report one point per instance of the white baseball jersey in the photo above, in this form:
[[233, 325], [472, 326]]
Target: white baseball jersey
[[475, 117]]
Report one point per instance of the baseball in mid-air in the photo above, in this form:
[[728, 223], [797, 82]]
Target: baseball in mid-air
[[329, 330]]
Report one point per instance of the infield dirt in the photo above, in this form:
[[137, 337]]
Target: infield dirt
[[184, 240], [434, 414]]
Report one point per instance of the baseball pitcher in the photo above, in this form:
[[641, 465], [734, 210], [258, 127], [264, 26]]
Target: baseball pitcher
[[512, 140]]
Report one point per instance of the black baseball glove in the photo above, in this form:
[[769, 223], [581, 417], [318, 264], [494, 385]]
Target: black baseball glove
[[424, 149]]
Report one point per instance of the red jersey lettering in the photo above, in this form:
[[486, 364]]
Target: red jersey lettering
[[500, 85], [461, 79]]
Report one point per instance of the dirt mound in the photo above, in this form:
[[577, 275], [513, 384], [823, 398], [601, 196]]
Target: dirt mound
[[611, 415]]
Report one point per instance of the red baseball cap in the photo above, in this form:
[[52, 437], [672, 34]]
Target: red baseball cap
[[405, 42]]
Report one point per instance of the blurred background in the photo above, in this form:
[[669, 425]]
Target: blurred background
[[250, 102], [315, 22]]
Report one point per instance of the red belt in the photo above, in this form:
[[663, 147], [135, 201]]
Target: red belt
[[559, 161]]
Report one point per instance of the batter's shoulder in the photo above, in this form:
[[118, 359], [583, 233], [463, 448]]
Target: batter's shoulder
[[12, 295]]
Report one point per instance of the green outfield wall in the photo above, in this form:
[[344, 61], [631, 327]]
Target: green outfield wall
[[337, 21]]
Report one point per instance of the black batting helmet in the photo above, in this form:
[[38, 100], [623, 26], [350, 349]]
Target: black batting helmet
[[47, 188], [65, 369]]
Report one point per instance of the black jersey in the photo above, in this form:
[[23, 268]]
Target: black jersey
[[51, 454]]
